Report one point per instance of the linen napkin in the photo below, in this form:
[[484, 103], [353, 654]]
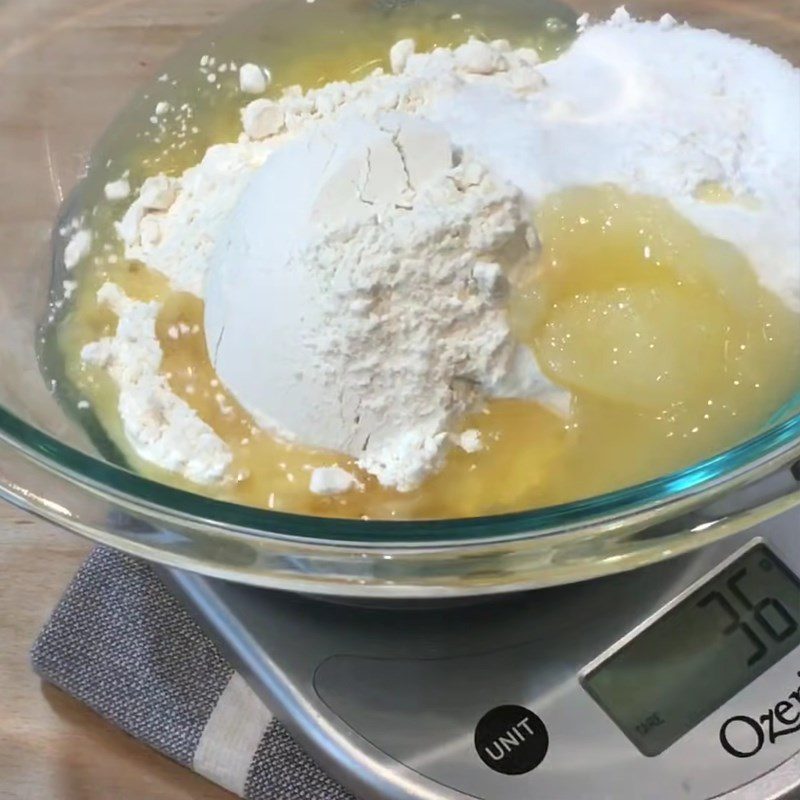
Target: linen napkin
[[121, 643]]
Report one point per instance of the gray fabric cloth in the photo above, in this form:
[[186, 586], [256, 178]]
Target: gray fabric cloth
[[121, 643]]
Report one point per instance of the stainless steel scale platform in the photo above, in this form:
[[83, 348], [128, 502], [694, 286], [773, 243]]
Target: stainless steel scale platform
[[680, 680]]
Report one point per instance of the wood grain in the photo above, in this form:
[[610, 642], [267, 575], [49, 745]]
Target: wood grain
[[52, 747]]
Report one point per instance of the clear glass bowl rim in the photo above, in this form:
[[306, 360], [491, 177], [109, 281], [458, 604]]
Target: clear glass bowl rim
[[80, 468]]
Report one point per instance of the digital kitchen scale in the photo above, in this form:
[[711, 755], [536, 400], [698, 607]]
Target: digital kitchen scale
[[680, 680]]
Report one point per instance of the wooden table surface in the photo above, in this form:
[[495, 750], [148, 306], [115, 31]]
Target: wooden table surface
[[52, 747]]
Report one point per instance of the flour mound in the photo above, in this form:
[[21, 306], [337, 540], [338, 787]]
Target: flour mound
[[377, 291]]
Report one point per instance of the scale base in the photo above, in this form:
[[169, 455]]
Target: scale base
[[387, 701]]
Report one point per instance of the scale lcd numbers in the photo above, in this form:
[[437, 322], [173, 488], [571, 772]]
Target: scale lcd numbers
[[701, 652]]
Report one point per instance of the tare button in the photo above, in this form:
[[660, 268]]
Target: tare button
[[511, 740]]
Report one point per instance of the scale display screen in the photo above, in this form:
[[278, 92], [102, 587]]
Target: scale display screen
[[702, 652]]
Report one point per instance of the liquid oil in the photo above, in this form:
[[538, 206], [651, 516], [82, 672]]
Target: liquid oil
[[672, 350]]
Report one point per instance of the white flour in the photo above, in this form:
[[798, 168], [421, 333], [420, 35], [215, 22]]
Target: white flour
[[118, 190], [179, 243], [161, 427], [78, 247], [360, 270], [328, 481], [339, 333], [253, 79]]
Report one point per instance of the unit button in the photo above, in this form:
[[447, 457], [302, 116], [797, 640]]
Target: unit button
[[511, 740]]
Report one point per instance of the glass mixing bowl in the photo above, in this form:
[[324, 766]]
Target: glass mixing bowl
[[67, 67]]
